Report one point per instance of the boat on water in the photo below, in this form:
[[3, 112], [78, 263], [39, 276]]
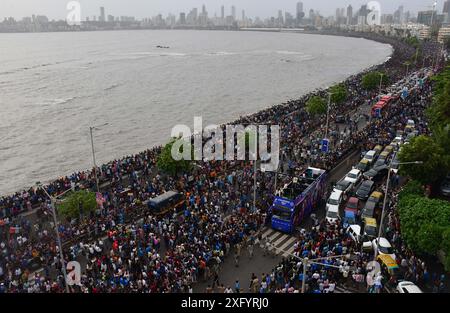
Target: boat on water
[[162, 47]]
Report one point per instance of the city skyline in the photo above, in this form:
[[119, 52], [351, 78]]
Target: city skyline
[[56, 9]]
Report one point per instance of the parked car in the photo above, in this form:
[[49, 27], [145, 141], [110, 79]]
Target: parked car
[[377, 173], [388, 150], [355, 233], [376, 197], [408, 287], [352, 205], [445, 187], [381, 161], [340, 119], [368, 210], [378, 149], [410, 136], [371, 156], [354, 176], [411, 123], [384, 247], [363, 165], [345, 186], [365, 189], [349, 219], [370, 232], [332, 207]]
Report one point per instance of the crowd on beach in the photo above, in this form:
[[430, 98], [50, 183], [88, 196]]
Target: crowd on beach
[[126, 249]]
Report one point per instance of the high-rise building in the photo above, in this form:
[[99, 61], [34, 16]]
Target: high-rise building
[[399, 15], [349, 15], [233, 12], [192, 17], [299, 7], [243, 15], [110, 18], [299, 16], [280, 18], [429, 17], [312, 15], [222, 12], [446, 9], [182, 19], [102, 14]]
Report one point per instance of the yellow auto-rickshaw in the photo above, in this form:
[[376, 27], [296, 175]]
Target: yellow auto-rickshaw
[[388, 264], [376, 197], [378, 149]]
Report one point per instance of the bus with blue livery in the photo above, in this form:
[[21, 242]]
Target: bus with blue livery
[[297, 199]]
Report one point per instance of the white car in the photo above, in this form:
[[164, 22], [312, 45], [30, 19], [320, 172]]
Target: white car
[[398, 141], [384, 247], [354, 176], [370, 156], [354, 232], [332, 207], [408, 287], [411, 123]]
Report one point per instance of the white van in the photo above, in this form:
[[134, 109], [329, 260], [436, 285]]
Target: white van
[[333, 204]]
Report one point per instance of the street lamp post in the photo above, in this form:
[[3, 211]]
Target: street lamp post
[[58, 238], [306, 261], [328, 114], [383, 212], [305, 265], [381, 81], [91, 129]]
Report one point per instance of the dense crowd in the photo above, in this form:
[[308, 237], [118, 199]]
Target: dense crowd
[[125, 249], [321, 241]]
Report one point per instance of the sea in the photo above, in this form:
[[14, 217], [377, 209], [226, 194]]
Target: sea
[[54, 86]]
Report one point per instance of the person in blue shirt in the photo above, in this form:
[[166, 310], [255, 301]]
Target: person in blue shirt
[[237, 287]]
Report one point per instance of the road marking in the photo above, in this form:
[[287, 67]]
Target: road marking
[[289, 251], [274, 236], [280, 240], [288, 243], [266, 232]]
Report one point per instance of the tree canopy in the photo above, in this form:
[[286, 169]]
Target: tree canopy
[[168, 164], [338, 93], [76, 203], [425, 223], [439, 112], [316, 106], [435, 162], [371, 81]]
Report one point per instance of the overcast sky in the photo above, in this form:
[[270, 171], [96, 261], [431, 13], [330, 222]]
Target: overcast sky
[[56, 9]]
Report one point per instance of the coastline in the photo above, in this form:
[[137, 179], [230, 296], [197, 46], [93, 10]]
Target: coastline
[[302, 97]]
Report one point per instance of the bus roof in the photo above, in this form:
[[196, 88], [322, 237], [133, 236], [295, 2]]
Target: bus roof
[[301, 185], [164, 196]]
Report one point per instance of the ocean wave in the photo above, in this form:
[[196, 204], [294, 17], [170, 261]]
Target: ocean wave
[[289, 52], [26, 68], [113, 86], [50, 102], [221, 53], [136, 55]]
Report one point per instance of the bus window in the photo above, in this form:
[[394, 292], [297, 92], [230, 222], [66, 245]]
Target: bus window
[[281, 213]]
